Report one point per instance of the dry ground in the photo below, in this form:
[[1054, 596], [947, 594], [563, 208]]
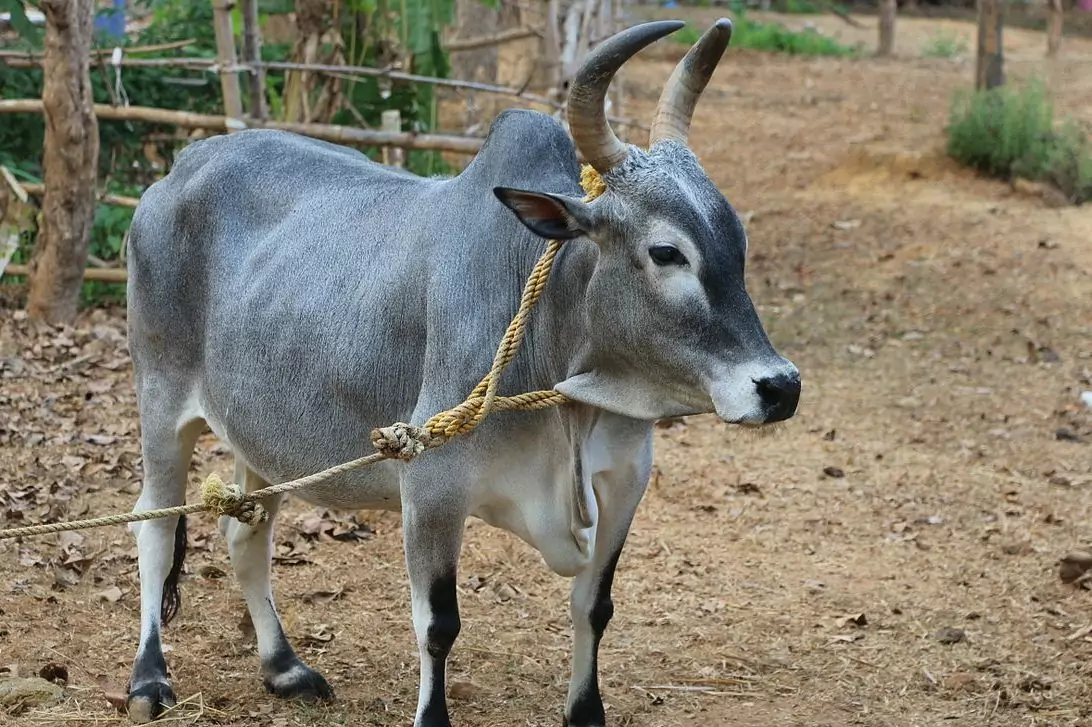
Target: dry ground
[[939, 466]]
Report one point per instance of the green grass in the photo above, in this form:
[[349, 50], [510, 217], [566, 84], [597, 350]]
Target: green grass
[[1010, 132], [773, 38], [945, 44]]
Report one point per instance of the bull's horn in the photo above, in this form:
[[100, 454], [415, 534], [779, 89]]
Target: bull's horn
[[587, 116], [688, 80]]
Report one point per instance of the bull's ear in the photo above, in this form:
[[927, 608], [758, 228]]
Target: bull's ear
[[552, 216]]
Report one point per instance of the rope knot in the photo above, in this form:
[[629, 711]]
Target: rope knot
[[402, 441], [224, 499]]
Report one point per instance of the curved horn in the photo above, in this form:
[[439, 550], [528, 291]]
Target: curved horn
[[688, 80], [587, 116]]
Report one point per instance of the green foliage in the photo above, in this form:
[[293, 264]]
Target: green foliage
[[27, 31], [945, 44], [374, 33], [1010, 132], [773, 38], [797, 7]]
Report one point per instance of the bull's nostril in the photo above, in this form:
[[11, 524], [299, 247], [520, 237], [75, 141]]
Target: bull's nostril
[[780, 394]]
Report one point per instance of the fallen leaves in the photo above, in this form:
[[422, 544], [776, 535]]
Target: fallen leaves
[[328, 525], [1074, 568], [949, 635], [54, 672], [318, 637], [323, 597]]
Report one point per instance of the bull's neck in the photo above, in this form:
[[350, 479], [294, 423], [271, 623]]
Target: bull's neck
[[558, 334]]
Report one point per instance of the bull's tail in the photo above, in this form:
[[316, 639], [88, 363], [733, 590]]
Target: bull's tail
[[172, 595]]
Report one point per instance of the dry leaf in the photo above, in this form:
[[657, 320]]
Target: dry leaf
[[950, 635], [110, 595], [464, 690], [117, 698], [961, 682], [54, 672], [65, 577], [324, 597], [853, 619], [1074, 566], [319, 637], [210, 572]]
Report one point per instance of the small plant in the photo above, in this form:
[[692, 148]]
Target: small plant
[[945, 44], [773, 38], [1010, 132], [797, 7]]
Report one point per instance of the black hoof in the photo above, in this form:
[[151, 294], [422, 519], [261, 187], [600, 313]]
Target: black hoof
[[149, 700], [299, 682], [587, 711]]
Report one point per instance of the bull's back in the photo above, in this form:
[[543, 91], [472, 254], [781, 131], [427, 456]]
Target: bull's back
[[269, 275]]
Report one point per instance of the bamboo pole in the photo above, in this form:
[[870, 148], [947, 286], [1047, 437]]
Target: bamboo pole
[[107, 52], [392, 121], [105, 275], [25, 61], [455, 45], [328, 132], [225, 54], [252, 54], [114, 199]]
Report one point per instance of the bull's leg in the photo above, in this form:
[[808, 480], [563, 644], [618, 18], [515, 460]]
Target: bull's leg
[[167, 447], [433, 528], [251, 550], [591, 606]]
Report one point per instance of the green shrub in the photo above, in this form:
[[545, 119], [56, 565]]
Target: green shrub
[[1010, 132], [773, 38], [945, 44]]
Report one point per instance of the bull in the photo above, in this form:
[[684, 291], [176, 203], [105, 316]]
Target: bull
[[291, 295]]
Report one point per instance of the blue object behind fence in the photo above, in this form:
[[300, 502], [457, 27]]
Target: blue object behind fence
[[111, 21]]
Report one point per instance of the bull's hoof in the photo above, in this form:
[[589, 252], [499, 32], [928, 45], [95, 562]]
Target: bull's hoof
[[149, 700], [300, 682]]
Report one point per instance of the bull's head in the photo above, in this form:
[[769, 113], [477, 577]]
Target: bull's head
[[675, 331]]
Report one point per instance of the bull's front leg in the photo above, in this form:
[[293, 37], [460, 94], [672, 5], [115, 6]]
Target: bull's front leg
[[433, 517], [592, 609], [618, 492]]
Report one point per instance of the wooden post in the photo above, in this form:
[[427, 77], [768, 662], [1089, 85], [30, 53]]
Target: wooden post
[[888, 11], [989, 69], [391, 120], [252, 54], [1056, 13], [225, 56], [70, 159]]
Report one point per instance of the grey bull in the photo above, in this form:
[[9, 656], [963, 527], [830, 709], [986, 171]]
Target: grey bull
[[291, 295]]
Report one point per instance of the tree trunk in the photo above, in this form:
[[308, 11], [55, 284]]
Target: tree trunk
[[888, 10], [1054, 31], [989, 72], [70, 159]]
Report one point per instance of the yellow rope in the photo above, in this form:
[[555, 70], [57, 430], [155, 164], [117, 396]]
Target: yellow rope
[[398, 441]]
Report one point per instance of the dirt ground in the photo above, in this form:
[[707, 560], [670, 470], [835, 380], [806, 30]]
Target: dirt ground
[[887, 558]]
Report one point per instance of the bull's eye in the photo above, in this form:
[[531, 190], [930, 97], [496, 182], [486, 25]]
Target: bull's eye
[[666, 255]]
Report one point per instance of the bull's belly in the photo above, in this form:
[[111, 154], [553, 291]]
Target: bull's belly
[[282, 456]]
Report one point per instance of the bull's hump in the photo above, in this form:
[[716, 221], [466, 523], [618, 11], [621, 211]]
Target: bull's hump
[[527, 150]]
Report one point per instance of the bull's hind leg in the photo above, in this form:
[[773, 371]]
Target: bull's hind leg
[[167, 438], [251, 550]]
